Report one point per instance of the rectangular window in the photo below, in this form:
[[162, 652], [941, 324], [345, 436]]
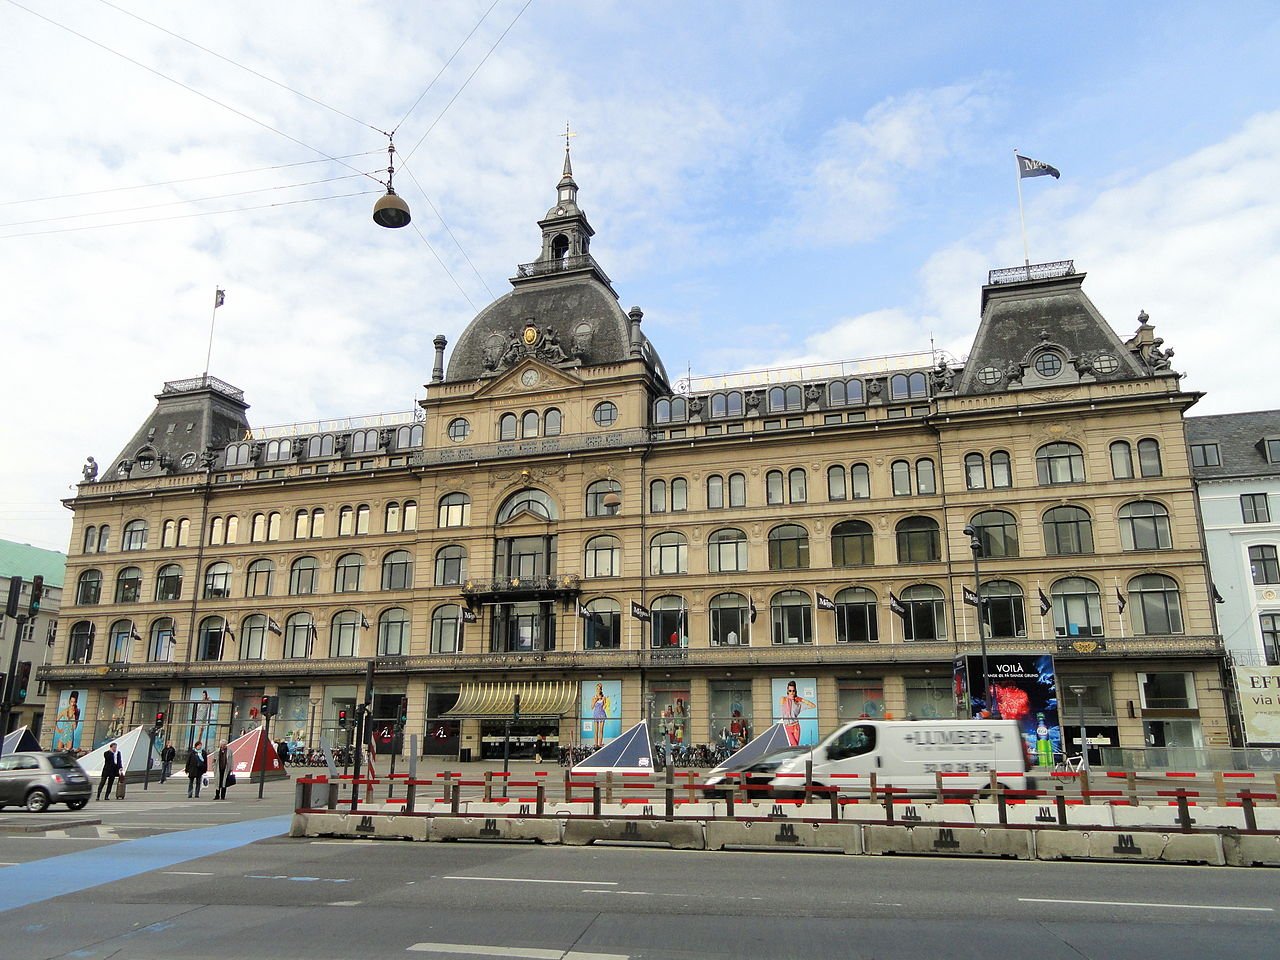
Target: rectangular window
[[859, 699], [1167, 691], [1270, 623], [793, 422], [714, 431], [929, 698], [1205, 455], [858, 416], [897, 413], [773, 424], [1264, 564], [1254, 508], [736, 428], [831, 418]]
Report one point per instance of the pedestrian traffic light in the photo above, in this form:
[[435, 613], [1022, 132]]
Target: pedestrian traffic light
[[37, 591], [24, 679], [159, 719], [342, 719]]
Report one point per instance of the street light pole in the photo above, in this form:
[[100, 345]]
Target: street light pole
[[975, 545], [1079, 690]]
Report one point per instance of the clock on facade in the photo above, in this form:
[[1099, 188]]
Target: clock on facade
[[530, 377]]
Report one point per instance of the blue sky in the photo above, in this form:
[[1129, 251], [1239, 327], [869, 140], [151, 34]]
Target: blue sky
[[771, 182]]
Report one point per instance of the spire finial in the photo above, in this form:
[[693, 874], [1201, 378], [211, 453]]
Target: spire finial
[[568, 134]]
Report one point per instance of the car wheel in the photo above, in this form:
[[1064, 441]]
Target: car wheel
[[76, 804], [37, 801]]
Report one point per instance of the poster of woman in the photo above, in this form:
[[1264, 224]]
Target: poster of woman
[[600, 708], [68, 726], [795, 706]]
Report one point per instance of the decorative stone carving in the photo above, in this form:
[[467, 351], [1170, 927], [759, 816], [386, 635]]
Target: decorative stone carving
[[90, 470], [943, 378], [580, 343]]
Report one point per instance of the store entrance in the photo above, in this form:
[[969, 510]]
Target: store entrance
[[524, 738]]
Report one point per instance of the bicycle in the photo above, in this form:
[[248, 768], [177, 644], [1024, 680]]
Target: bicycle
[[1067, 764]]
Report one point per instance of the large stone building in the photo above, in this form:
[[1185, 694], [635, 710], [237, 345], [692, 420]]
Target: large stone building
[[800, 523]]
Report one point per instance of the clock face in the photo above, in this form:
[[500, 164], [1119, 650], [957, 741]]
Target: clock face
[[529, 377], [530, 335]]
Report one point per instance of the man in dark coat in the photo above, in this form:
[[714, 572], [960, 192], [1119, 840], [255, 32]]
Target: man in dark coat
[[197, 766], [112, 764]]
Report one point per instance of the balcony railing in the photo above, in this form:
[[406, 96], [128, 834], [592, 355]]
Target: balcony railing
[[1036, 271], [500, 589], [541, 268], [201, 383]]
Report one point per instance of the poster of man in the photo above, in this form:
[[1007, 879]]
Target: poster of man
[[68, 725], [795, 706], [600, 708]]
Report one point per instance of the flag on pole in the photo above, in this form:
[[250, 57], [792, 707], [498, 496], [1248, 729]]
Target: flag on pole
[[583, 612], [468, 615], [896, 606], [1045, 605], [133, 631], [751, 604], [1121, 602], [970, 597], [1217, 597], [364, 622], [313, 638], [274, 627], [1035, 168], [825, 602], [639, 611], [219, 297]]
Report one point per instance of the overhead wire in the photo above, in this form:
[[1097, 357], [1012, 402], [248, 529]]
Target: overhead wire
[[441, 71], [447, 229], [443, 266]]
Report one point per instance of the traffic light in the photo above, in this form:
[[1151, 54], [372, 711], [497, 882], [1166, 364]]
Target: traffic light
[[270, 706], [15, 593], [24, 680], [342, 719], [159, 719], [515, 707], [37, 591], [266, 701], [402, 718]]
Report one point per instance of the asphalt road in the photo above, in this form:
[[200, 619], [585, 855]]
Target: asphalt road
[[163, 878]]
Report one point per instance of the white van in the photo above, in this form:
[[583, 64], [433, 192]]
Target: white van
[[909, 754]]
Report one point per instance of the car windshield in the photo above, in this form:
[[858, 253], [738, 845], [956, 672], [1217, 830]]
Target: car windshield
[[60, 761]]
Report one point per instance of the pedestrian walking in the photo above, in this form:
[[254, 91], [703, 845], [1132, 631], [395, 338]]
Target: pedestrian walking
[[282, 751], [167, 756], [223, 773], [197, 767], [112, 765]]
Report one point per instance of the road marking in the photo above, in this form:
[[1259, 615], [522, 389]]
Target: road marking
[[1128, 903], [340, 843], [528, 953], [187, 873], [627, 893], [579, 883], [346, 903], [282, 876]]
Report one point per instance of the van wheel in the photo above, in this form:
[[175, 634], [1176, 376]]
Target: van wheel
[[37, 801]]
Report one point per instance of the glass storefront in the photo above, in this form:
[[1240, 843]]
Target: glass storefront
[[669, 720], [859, 700], [729, 702]]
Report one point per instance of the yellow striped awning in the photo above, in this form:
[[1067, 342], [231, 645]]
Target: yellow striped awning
[[538, 698]]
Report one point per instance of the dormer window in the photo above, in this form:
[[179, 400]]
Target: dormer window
[[1048, 364], [1271, 447]]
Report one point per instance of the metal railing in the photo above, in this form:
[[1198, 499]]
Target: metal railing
[[540, 268], [1035, 271], [204, 382]]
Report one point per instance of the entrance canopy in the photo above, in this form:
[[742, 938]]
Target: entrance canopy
[[538, 699]]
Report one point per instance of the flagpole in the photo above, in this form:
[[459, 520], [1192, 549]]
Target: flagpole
[[1026, 251], [223, 639], [1119, 612]]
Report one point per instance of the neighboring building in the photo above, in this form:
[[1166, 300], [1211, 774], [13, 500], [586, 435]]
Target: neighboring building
[[27, 562], [496, 539]]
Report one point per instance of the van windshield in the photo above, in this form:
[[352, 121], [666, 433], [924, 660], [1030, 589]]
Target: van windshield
[[852, 743]]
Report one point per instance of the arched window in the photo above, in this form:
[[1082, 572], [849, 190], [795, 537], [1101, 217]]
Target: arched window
[[791, 617], [726, 404], [211, 638], [662, 410], [278, 450], [1067, 531], [669, 622], [860, 481], [836, 394], [926, 480], [409, 436], [169, 582], [393, 633], [119, 640], [856, 619], [391, 517], [364, 441], [789, 547], [233, 529], [918, 540], [446, 629], [135, 535], [852, 544], [727, 551], [602, 625], [259, 576], [975, 471], [737, 489], [1059, 463], [169, 534], [535, 503], [507, 426], [90, 539], [669, 553], [1077, 607], [925, 617], [1001, 470], [410, 515], [1121, 460], [679, 494], [1154, 606], [347, 573], [529, 424], [1005, 611], [455, 510], [238, 454], [397, 570], [129, 585], [1149, 458], [346, 521], [89, 588], [258, 528], [451, 565], [596, 493], [730, 620], [273, 527], [797, 485], [837, 488], [253, 637], [715, 492], [299, 634], [80, 649], [320, 446], [362, 518], [160, 641], [301, 524], [657, 496], [217, 581], [898, 387], [317, 522], [774, 492], [552, 423], [304, 576], [603, 557], [344, 634], [900, 472], [917, 385], [997, 532], [1144, 525]]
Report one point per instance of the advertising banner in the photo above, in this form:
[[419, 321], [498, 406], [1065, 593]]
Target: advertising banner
[[600, 710], [1259, 691], [795, 706], [1025, 689], [69, 725]]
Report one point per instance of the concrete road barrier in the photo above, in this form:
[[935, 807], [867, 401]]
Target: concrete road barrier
[[679, 834], [1045, 814], [949, 841], [1126, 816], [784, 834], [1122, 845], [358, 825], [1251, 850], [494, 828]]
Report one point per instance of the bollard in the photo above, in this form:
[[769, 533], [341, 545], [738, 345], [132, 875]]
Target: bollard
[[1220, 784], [488, 786], [1084, 788], [1184, 814], [871, 779], [411, 794], [595, 800], [670, 793], [1250, 818], [1001, 810], [888, 804], [608, 786], [729, 797], [1061, 801], [542, 798], [1131, 786], [568, 786], [834, 794], [455, 795], [808, 779]]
